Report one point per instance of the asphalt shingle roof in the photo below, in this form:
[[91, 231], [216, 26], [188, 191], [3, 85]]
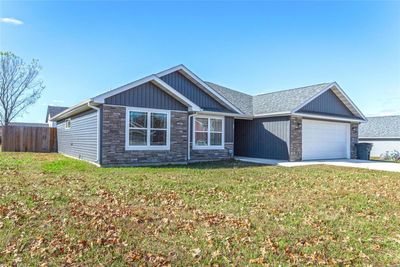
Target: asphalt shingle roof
[[385, 126], [242, 101], [54, 110], [281, 101]]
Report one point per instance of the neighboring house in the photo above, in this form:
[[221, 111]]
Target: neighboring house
[[175, 117], [383, 132], [51, 112]]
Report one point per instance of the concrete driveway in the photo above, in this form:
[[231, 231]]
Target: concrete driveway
[[355, 163]]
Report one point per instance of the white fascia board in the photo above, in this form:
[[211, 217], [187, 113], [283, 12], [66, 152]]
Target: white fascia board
[[154, 79], [328, 87], [176, 94], [72, 110], [102, 97], [273, 114], [226, 114], [201, 82], [312, 98], [350, 101], [332, 118]]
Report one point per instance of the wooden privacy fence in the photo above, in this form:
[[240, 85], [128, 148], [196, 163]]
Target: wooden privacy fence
[[29, 139]]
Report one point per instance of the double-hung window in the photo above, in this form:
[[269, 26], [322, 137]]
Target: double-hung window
[[208, 133], [147, 129]]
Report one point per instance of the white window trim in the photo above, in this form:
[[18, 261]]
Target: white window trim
[[70, 124], [148, 146], [208, 147]]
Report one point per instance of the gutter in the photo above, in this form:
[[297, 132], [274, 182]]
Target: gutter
[[89, 104], [226, 114], [70, 110]]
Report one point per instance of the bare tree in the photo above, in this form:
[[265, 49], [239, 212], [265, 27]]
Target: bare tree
[[20, 86]]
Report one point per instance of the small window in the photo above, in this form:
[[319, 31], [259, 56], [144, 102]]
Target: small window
[[68, 124], [147, 129], [208, 133]]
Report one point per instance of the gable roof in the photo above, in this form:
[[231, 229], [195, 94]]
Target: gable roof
[[54, 110], [281, 103], [99, 99], [199, 82], [155, 80], [284, 102], [381, 127]]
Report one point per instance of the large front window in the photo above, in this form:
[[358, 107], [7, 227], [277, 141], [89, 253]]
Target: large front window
[[208, 133], [147, 129]]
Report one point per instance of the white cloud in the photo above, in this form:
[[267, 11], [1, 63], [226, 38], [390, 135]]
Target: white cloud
[[11, 21]]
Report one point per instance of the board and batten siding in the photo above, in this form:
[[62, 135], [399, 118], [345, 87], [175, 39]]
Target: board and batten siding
[[263, 138], [229, 129], [146, 95], [80, 141], [193, 92], [327, 103]]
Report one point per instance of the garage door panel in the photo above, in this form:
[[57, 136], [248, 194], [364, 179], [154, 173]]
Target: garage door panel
[[325, 140]]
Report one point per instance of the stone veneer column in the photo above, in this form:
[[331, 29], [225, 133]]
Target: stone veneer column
[[353, 139], [295, 149]]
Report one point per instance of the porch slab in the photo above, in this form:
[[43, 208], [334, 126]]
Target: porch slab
[[354, 163]]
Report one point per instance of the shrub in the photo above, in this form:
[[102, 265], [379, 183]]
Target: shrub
[[391, 155]]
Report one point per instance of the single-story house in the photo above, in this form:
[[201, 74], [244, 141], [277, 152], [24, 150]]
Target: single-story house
[[383, 132], [51, 112], [176, 117]]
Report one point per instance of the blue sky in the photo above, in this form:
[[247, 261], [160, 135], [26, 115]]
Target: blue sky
[[86, 48]]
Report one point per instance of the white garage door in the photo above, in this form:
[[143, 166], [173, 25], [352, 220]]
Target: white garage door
[[325, 140]]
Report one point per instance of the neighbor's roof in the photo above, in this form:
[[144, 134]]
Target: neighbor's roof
[[381, 127], [275, 102], [54, 110]]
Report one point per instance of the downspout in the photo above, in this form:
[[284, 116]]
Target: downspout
[[98, 131], [189, 132]]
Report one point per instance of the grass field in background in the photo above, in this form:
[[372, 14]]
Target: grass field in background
[[57, 210]]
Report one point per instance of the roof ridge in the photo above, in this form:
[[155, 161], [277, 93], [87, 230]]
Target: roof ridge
[[229, 88], [279, 91]]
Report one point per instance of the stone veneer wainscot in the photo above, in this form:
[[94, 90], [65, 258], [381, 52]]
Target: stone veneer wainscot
[[113, 141]]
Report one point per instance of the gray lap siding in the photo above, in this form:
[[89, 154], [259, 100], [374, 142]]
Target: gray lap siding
[[80, 141]]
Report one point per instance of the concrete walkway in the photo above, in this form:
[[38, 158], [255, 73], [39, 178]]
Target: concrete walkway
[[355, 163]]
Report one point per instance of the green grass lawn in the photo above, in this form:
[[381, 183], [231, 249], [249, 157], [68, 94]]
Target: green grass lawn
[[57, 210]]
